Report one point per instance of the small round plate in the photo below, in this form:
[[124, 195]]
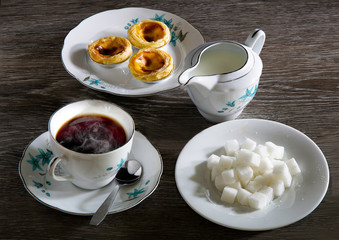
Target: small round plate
[[118, 80], [194, 184], [68, 198]]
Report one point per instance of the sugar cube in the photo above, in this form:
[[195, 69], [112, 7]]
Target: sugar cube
[[278, 187], [229, 194], [276, 162], [244, 173], [215, 171], [293, 166], [260, 180], [262, 151], [274, 150], [242, 196], [231, 147], [226, 162], [268, 191], [282, 172], [253, 186], [212, 161], [249, 158], [251, 173], [266, 165], [249, 144], [219, 183], [236, 185], [257, 200], [228, 176], [268, 177]]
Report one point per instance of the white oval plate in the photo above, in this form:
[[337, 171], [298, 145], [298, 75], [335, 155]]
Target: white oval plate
[[194, 184], [66, 197], [119, 80]]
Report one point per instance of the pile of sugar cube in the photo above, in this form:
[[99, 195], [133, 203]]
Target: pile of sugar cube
[[252, 174]]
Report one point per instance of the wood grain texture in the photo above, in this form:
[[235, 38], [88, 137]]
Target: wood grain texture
[[299, 87]]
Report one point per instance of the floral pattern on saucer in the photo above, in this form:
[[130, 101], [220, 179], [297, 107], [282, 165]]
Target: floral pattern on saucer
[[33, 172], [39, 164]]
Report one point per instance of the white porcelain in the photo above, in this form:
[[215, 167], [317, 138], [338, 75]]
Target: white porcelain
[[194, 184], [66, 197], [89, 171], [118, 80], [222, 95]]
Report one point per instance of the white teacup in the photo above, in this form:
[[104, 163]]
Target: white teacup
[[88, 170]]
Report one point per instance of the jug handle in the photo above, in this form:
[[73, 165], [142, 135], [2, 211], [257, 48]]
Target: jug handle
[[256, 40]]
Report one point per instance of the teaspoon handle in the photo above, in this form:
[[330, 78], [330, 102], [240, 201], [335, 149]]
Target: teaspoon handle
[[102, 211]]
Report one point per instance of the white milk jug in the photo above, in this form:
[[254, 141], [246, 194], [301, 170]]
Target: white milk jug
[[222, 77]]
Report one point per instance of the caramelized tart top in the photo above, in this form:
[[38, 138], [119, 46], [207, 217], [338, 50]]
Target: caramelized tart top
[[149, 34], [148, 61], [150, 64], [110, 50]]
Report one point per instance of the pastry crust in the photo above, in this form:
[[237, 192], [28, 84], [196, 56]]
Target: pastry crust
[[149, 34], [151, 65], [110, 50]]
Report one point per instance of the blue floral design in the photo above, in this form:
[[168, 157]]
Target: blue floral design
[[44, 156], [174, 39], [158, 18], [119, 165], [135, 193], [249, 93], [231, 105], [169, 22], [95, 82], [133, 21], [35, 162], [37, 184]]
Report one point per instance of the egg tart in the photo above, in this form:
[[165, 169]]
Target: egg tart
[[149, 34], [110, 50], [151, 64]]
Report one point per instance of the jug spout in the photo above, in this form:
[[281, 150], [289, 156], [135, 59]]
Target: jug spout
[[206, 82], [203, 82], [184, 77]]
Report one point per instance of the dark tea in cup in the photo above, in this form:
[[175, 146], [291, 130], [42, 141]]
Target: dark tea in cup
[[90, 140], [91, 134]]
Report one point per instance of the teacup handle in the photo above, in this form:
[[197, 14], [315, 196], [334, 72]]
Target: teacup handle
[[51, 169], [256, 40]]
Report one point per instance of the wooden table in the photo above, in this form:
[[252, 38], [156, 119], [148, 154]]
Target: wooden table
[[299, 87]]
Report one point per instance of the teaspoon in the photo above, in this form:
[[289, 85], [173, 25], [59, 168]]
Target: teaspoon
[[129, 173]]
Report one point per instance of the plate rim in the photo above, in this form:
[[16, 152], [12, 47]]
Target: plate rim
[[182, 192]]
